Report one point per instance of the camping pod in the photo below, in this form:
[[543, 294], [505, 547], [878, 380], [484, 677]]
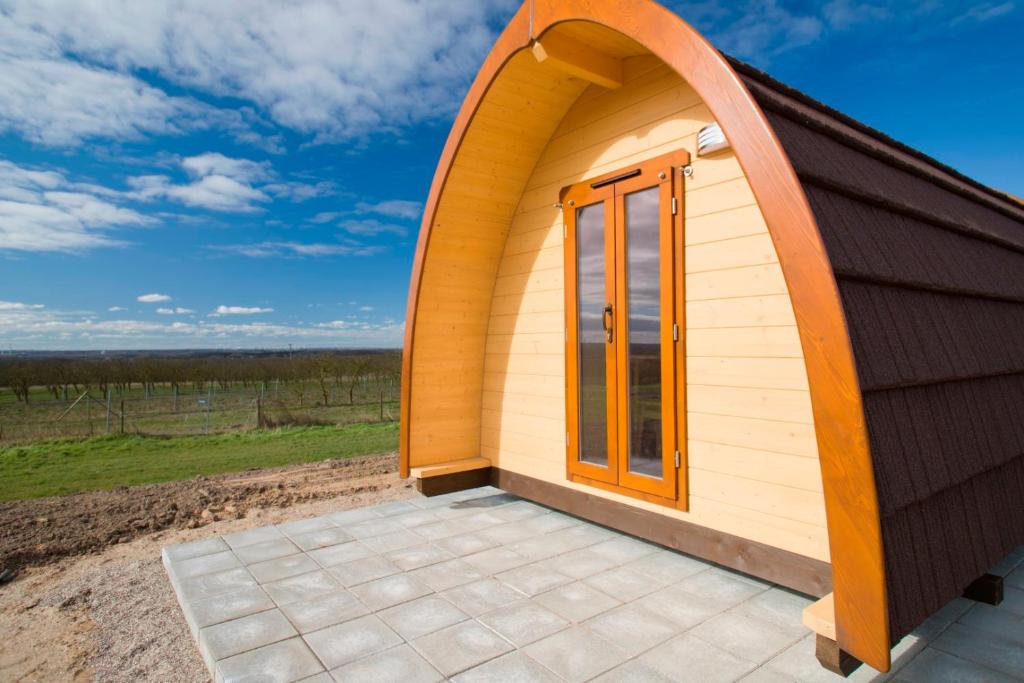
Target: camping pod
[[659, 290]]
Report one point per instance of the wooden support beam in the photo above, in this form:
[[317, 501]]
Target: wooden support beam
[[577, 59], [820, 616], [453, 481], [833, 658], [987, 588]]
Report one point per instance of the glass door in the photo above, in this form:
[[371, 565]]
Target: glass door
[[624, 352]]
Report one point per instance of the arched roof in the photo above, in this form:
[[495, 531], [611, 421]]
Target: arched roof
[[848, 478]]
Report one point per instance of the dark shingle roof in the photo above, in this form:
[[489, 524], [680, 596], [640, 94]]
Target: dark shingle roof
[[930, 268]]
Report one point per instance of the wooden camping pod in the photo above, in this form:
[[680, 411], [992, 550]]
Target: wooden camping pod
[[776, 470]]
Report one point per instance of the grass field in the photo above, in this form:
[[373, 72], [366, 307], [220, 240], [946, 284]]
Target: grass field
[[63, 466]]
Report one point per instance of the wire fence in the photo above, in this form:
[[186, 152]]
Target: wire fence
[[173, 411]]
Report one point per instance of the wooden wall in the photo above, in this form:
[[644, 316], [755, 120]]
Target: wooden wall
[[753, 465]]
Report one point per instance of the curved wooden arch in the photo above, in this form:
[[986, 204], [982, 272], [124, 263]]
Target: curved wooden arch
[[861, 605]]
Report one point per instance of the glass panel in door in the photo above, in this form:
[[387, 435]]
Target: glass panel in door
[[643, 350], [592, 360]]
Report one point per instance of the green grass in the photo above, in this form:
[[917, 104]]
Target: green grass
[[63, 466]]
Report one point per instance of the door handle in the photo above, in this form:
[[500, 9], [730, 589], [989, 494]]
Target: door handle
[[606, 322]]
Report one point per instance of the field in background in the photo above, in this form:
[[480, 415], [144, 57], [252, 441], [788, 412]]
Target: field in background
[[60, 467], [162, 410], [77, 422]]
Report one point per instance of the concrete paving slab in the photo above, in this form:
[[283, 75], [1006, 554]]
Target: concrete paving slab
[[514, 667], [267, 550], [400, 664], [242, 539], [482, 596], [448, 574], [351, 640], [288, 660], [418, 556], [632, 628], [207, 564], [187, 551], [577, 602], [362, 570], [324, 610], [389, 591], [339, 554], [321, 538], [482, 586], [576, 654], [460, 647], [282, 568], [303, 526], [700, 660], [209, 585], [240, 635], [301, 587], [533, 579], [523, 622], [420, 617], [227, 606]]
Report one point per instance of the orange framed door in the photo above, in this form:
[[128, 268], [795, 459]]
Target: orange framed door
[[641, 328], [591, 376]]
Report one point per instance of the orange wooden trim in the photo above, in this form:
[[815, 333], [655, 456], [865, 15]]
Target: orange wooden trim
[[516, 36], [848, 477], [630, 492]]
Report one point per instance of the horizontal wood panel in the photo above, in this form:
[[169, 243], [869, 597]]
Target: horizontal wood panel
[[791, 438], [726, 223], [759, 373], [744, 342], [765, 404], [752, 311], [753, 250], [762, 466], [549, 301], [736, 282], [525, 384], [786, 502], [552, 365]]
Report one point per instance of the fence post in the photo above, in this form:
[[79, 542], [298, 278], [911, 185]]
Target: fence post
[[174, 408], [381, 404], [122, 416], [259, 412], [107, 425]]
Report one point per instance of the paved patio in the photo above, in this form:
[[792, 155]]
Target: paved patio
[[482, 586]]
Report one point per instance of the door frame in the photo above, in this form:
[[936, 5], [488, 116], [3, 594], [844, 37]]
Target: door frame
[[666, 173]]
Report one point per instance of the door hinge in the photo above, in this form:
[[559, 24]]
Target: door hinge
[[675, 206], [679, 460], [675, 332]]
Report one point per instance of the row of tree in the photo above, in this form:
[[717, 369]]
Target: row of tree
[[64, 376]]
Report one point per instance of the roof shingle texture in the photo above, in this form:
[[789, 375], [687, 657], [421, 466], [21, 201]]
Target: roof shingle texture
[[930, 269]]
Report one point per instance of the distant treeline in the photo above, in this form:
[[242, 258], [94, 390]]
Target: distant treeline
[[60, 376]]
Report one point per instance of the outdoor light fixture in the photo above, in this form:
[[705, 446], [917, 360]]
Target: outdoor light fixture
[[711, 139]]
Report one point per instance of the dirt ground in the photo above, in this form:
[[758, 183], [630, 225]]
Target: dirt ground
[[92, 601]]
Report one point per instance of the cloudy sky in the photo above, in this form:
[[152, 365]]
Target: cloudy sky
[[224, 174]]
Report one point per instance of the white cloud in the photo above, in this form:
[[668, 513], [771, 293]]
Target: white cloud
[[270, 249], [216, 192], [759, 29], [41, 210], [370, 227], [396, 208], [18, 306], [240, 310], [329, 69], [36, 328], [116, 309], [177, 310], [222, 183], [366, 308], [985, 11], [152, 298]]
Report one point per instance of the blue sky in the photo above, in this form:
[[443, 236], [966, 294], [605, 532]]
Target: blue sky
[[213, 174]]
